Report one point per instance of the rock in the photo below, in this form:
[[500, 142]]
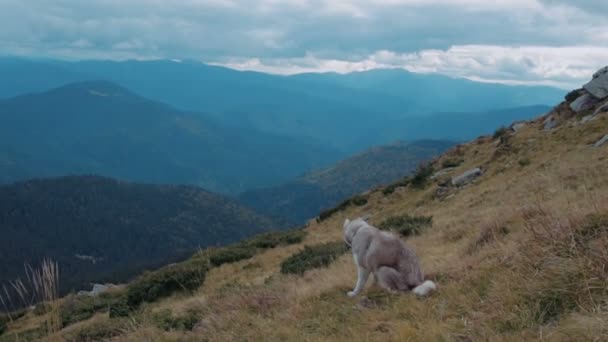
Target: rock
[[442, 192], [517, 126], [587, 118], [583, 102], [97, 290], [601, 108], [442, 172], [598, 86], [467, 177], [601, 141], [549, 123]]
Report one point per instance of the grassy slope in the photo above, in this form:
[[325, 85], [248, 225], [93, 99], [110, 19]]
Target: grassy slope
[[492, 291]]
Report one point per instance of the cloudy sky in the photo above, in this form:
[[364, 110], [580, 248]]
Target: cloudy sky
[[555, 42]]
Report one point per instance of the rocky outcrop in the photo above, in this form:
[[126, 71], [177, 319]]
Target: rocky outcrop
[[549, 123], [591, 94], [97, 290], [598, 86], [517, 126], [583, 102], [601, 141], [467, 177]]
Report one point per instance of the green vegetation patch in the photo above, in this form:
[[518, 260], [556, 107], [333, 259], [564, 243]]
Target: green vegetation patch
[[407, 225], [313, 257], [99, 331], [76, 308], [389, 189], [185, 276], [274, 239], [422, 175], [452, 162], [231, 254], [166, 320], [358, 200]]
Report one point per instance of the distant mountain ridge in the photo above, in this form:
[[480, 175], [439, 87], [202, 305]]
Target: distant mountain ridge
[[304, 197], [124, 227], [344, 112], [101, 128]]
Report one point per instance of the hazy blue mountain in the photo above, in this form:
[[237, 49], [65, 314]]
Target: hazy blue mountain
[[346, 112], [304, 197], [101, 128], [101, 229]]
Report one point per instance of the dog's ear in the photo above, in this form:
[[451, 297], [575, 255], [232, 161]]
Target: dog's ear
[[346, 222], [366, 217]]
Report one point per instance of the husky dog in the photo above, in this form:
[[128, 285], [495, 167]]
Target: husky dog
[[394, 265]]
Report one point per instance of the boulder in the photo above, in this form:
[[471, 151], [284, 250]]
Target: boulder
[[517, 126], [467, 177], [549, 123], [598, 86], [97, 290], [583, 102], [601, 141]]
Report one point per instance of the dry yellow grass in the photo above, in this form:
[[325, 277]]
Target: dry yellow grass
[[490, 249]]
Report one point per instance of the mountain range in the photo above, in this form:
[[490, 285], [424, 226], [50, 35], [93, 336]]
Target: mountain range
[[306, 196], [101, 128], [346, 112], [100, 229]]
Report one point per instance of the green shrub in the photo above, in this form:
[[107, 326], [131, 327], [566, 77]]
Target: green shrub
[[184, 276], [76, 308], [99, 331], [573, 95], [407, 225], [166, 320], [500, 132], [313, 257], [358, 200], [120, 308], [230, 254], [3, 324], [422, 175], [524, 162], [42, 309], [452, 162], [273, 239], [389, 189]]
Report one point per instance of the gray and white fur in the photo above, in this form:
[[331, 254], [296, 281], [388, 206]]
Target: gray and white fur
[[395, 267]]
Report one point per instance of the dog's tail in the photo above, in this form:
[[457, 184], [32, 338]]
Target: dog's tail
[[425, 288]]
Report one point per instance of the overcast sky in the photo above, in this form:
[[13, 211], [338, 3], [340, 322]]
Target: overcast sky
[[556, 42]]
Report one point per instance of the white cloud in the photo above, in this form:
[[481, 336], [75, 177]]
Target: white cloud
[[565, 67], [505, 40]]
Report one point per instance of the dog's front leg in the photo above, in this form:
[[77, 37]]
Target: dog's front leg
[[362, 275]]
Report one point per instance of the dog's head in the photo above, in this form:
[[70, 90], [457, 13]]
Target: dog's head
[[352, 227]]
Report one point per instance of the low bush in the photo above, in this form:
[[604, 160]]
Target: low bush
[[500, 132], [389, 189], [313, 257], [231, 254], [76, 308], [184, 276], [422, 175], [452, 162], [99, 331], [166, 320], [524, 162], [3, 324], [274, 239], [358, 200], [407, 225], [120, 308]]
